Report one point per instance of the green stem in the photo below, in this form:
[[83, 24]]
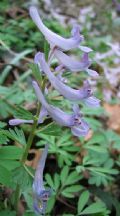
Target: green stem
[[34, 126], [28, 171], [16, 198], [31, 136]]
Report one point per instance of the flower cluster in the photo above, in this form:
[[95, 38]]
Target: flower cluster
[[59, 44], [73, 120]]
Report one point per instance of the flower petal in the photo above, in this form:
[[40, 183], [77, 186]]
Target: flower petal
[[92, 102], [42, 115], [38, 180], [75, 32], [85, 49], [76, 131], [76, 109], [60, 68], [72, 64], [80, 130]]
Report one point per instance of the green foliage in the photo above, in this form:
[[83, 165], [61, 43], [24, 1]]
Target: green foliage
[[94, 208], [97, 207], [22, 178], [8, 212], [2, 124], [3, 138], [62, 185], [82, 201], [10, 152], [21, 113], [51, 129], [62, 146], [36, 72], [16, 135], [5, 176]]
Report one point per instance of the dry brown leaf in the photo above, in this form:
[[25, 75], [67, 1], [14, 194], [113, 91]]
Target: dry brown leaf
[[89, 135], [114, 116], [33, 163]]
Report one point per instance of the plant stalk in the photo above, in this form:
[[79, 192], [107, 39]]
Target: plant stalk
[[31, 136], [16, 198]]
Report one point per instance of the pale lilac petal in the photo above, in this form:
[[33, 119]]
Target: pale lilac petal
[[85, 49], [76, 109], [54, 39], [40, 95], [92, 102], [92, 73], [42, 115], [36, 61], [66, 91], [60, 68], [75, 32], [81, 129], [76, 131], [36, 58], [38, 180], [19, 121], [72, 64]]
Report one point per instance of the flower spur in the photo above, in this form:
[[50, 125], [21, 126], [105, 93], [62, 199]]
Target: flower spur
[[40, 194], [54, 39]]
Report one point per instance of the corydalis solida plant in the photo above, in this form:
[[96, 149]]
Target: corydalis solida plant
[[73, 120]]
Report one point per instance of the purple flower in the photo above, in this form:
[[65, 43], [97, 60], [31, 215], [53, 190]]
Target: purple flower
[[41, 195], [42, 115], [73, 65], [75, 121], [68, 92], [70, 63], [54, 39]]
